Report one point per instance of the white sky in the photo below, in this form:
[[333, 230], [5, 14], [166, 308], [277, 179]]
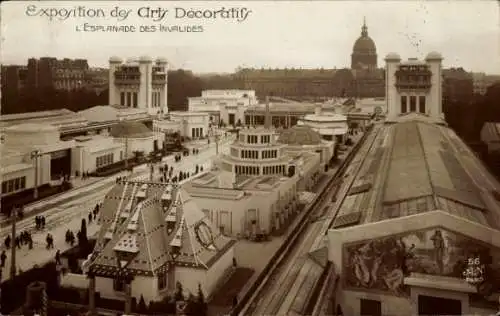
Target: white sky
[[305, 34]]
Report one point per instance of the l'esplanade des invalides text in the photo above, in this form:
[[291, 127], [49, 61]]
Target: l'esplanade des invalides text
[[154, 14]]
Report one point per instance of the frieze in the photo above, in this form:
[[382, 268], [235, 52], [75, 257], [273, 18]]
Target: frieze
[[382, 264]]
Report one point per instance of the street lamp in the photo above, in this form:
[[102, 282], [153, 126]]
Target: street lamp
[[215, 135], [35, 154]]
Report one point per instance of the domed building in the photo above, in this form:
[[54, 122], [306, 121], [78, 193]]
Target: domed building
[[136, 136], [369, 81], [364, 52], [258, 186], [302, 138]]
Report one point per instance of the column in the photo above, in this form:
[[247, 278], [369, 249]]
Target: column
[[128, 298], [92, 295]]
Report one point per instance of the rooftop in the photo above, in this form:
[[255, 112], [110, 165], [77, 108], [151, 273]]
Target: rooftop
[[130, 129], [143, 236], [299, 135], [491, 132], [415, 166], [32, 128], [32, 115], [108, 113]]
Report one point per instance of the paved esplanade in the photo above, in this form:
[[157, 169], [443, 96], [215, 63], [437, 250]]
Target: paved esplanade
[[68, 215]]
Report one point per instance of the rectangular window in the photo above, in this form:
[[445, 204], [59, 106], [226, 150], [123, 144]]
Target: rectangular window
[[162, 281], [122, 98], [129, 99], [421, 104], [118, 285], [135, 100], [404, 105], [370, 308], [413, 103]]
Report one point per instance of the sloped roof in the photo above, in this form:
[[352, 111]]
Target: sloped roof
[[130, 129], [140, 237], [413, 167], [100, 113], [299, 135], [491, 132]]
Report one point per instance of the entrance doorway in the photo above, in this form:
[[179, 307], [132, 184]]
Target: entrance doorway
[[231, 119], [431, 305], [60, 164]]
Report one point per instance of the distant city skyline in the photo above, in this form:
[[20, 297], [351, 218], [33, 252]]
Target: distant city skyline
[[274, 35]]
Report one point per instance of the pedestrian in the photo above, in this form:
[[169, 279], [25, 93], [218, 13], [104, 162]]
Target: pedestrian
[[7, 242], [90, 217], [3, 256], [18, 242], [58, 257], [43, 222], [30, 242], [37, 222], [50, 241]]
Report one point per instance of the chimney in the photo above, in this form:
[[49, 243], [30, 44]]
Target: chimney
[[267, 117]]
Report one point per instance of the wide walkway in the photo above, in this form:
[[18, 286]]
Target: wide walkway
[[68, 213]]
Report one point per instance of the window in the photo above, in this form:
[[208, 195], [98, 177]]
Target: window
[[370, 308], [129, 98], [421, 104], [404, 105], [122, 98], [135, 100], [104, 160], [265, 139], [118, 285], [162, 281], [413, 103], [13, 185]]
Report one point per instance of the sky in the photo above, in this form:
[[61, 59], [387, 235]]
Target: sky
[[274, 34]]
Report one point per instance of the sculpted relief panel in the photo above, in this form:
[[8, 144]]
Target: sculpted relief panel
[[382, 264]]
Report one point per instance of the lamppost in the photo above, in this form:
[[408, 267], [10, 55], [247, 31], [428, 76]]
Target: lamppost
[[13, 245], [215, 135], [35, 154]]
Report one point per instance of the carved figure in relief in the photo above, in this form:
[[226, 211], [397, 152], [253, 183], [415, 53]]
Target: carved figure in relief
[[439, 248]]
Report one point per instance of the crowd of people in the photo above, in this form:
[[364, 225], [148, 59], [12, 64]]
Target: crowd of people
[[25, 238]]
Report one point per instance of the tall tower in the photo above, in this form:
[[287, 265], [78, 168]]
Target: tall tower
[[392, 61], [364, 52], [145, 84], [114, 95], [434, 59], [162, 64]]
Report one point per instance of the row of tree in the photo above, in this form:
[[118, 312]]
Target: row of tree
[[181, 85], [467, 118]]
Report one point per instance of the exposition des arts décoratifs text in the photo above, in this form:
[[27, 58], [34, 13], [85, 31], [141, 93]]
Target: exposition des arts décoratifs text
[[155, 14]]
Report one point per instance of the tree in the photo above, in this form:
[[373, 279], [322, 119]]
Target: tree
[[179, 292], [141, 306]]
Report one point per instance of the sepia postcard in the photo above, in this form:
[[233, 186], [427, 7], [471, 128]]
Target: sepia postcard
[[214, 158]]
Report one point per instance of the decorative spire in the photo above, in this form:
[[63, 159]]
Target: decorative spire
[[364, 29], [267, 117]]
